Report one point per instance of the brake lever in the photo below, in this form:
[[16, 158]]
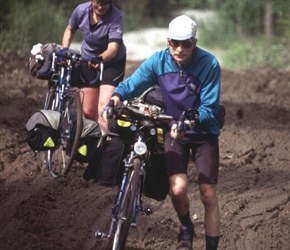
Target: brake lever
[[110, 112], [180, 126]]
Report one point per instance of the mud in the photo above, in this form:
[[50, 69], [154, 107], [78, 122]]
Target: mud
[[38, 211]]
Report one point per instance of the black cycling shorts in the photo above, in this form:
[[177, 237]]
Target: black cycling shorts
[[113, 74], [205, 154]]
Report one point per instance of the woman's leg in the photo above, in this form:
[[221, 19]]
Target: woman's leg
[[106, 92], [89, 98]]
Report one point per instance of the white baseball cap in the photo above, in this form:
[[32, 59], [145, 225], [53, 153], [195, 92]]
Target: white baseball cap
[[182, 28]]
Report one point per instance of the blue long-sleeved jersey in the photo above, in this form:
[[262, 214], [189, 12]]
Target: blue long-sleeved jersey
[[197, 85]]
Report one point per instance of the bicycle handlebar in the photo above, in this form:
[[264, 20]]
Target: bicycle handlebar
[[75, 56], [189, 115], [69, 55], [157, 117]]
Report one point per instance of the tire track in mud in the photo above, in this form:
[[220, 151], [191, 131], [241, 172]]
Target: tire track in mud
[[261, 221]]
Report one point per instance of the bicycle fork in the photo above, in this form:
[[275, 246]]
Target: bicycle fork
[[115, 209], [138, 202], [137, 206]]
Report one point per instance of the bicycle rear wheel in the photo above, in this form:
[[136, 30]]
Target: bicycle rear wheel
[[60, 160], [126, 207]]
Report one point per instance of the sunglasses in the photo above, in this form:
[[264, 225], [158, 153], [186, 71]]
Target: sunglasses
[[101, 4], [184, 43]]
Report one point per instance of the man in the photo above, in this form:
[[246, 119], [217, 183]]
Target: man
[[189, 77]]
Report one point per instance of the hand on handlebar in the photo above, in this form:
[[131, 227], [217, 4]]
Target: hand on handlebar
[[62, 59], [178, 129], [174, 133], [187, 121], [108, 111], [94, 62]]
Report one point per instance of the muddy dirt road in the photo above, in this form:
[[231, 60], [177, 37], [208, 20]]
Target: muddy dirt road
[[41, 212]]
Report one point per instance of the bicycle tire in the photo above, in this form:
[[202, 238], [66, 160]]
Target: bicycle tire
[[60, 160], [126, 208], [50, 98], [49, 104]]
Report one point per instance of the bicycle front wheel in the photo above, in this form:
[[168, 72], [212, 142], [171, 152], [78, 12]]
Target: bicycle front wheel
[[60, 160], [126, 207]]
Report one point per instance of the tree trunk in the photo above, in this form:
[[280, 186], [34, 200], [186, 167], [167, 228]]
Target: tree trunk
[[269, 18]]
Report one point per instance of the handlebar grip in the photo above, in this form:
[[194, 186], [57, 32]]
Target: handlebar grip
[[110, 112], [96, 60], [180, 123], [192, 114]]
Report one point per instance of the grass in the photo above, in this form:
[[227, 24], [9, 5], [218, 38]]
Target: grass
[[256, 53]]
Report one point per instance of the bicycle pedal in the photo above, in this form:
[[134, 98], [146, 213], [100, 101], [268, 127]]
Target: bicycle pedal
[[100, 234], [148, 210]]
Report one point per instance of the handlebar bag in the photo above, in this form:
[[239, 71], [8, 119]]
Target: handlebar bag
[[153, 96], [42, 130], [41, 68], [40, 63]]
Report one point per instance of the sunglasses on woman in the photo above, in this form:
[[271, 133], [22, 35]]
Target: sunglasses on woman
[[184, 43], [97, 4]]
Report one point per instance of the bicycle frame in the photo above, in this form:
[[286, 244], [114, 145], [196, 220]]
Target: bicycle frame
[[60, 97], [60, 81], [144, 121]]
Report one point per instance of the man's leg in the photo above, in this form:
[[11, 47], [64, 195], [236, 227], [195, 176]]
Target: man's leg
[[179, 196], [209, 198], [181, 203], [176, 160]]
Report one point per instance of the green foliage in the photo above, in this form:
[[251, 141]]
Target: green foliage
[[258, 52], [146, 13], [281, 9], [196, 4], [4, 9], [39, 22], [216, 33], [237, 30], [134, 16], [248, 15]]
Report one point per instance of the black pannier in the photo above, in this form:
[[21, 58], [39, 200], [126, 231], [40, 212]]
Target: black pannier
[[88, 142], [105, 160], [153, 96], [156, 185], [42, 130]]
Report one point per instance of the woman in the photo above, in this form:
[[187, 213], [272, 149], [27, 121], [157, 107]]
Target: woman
[[101, 25]]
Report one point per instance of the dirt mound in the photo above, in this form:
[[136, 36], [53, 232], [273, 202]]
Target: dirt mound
[[41, 212]]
